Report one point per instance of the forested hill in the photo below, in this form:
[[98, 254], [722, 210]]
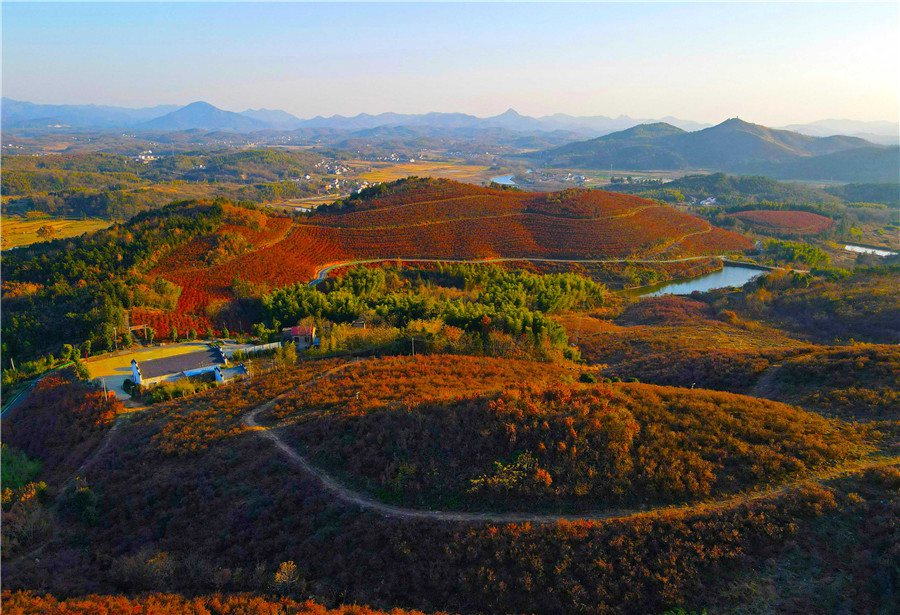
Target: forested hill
[[733, 145]]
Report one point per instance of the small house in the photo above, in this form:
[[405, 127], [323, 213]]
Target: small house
[[302, 336]]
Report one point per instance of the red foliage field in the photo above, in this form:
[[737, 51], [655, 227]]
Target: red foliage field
[[785, 222], [437, 219], [164, 322]]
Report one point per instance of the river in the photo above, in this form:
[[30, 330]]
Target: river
[[866, 250]]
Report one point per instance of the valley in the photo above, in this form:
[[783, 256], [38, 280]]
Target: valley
[[278, 355]]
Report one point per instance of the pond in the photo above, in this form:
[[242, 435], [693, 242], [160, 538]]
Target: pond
[[729, 275], [868, 250], [504, 180]]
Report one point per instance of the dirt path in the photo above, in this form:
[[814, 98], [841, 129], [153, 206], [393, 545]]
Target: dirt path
[[365, 502]]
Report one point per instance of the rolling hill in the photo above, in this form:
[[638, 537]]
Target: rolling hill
[[733, 144]]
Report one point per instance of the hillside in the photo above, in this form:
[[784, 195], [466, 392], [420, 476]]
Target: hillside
[[863, 307], [21, 603], [438, 219], [681, 341], [859, 382], [736, 190], [733, 144], [221, 495], [586, 447], [199, 258], [863, 164]]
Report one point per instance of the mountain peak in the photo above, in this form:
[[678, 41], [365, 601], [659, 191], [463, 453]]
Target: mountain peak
[[644, 131], [204, 116], [510, 113], [736, 122], [201, 105]]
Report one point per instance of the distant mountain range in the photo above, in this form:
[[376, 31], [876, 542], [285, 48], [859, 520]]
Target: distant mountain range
[[19, 114], [806, 151], [884, 133], [203, 116], [734, 145]]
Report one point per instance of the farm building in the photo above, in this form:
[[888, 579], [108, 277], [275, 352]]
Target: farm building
[[303, 337], [212, 360]]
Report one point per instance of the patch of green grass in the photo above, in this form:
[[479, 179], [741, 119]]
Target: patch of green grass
[[16, 468]]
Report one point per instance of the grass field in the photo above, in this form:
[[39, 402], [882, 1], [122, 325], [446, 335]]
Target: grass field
[[17, 232], [387, 171]]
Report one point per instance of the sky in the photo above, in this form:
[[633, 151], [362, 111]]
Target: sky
[[774, 64]]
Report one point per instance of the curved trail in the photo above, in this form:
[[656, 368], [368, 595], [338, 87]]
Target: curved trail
[[322, 273], [348, 496]]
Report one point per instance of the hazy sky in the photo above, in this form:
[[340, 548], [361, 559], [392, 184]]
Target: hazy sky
[[769, 63]]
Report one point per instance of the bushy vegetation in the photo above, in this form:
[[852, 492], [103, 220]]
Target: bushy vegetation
[[165, 391], [863, 306], [855, 382], [195, 423], [255, 513], [795, 252], [18, 469], [600, 447], [789, 223], [60, 422], [681, 341]]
